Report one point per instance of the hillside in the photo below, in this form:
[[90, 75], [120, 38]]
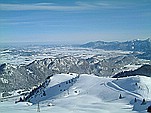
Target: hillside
[[13, 77], [90, 94], [144, 70], [51, 87]]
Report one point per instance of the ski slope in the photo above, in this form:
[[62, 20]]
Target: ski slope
[[53, 86], [89, 94]]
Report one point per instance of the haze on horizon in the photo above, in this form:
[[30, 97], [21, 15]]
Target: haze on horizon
[[72, 21]]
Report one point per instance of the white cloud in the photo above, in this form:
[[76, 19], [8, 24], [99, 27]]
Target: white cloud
[[44, 6], [52, 6]]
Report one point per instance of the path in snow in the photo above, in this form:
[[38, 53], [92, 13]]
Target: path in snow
[[117, 88]]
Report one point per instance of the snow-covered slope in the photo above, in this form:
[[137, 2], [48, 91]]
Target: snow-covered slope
[[52, 87], [14, 77], [89, 94], [98, 94]]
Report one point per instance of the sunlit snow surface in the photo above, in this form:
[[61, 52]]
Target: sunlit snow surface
[[27, 54], [92, 94]]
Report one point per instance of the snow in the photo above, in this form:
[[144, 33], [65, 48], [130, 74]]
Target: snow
[[58, 78], [25, 55], [89, 94], [54, 86], [5, 81], [146, 83], [131, 67], [141, 107]]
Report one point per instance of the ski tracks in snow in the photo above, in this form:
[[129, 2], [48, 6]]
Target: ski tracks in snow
[[117, 88]]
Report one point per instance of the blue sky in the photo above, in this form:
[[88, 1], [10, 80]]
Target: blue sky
[[74, 21]]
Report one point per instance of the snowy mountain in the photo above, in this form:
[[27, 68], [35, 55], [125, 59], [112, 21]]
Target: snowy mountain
[[144, 70], [13, 77], [51, 87], [77, 80], [134, 45], [88, 94]]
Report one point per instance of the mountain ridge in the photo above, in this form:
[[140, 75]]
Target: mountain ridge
[[134, 45], [144, 70], [14, 77], [128, 44]]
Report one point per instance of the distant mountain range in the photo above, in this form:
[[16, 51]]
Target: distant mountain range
[[134, 45], [13, 77], [26, 76]]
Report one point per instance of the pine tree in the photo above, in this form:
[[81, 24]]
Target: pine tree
[[44, 94], [143, 102], [120, 97], [135, 100]]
